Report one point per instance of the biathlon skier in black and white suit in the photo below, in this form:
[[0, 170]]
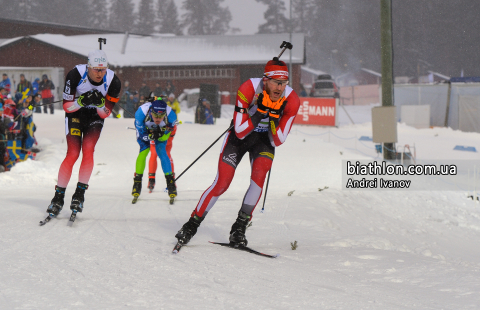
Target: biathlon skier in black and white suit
[[89, 96]]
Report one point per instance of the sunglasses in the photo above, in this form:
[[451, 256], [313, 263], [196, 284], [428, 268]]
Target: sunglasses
[[100, 70], [158, 115], [279, 82]]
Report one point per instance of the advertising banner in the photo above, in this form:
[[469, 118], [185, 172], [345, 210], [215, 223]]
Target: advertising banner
[[317, 111]]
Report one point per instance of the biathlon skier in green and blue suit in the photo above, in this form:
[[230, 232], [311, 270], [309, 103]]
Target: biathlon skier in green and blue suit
[[154, 121]]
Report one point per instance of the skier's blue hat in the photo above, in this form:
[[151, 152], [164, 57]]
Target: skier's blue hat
[[158, 108]]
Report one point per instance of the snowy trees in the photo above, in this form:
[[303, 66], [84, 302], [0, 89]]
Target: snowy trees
[[274, 15], [121, 16], [167, 17], [146, 17], [205, 17], [98, 16], [340, 36], [143, 16]]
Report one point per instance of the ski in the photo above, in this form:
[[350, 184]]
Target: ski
[[72, 218], [177, 248], [244, 248], [172, 199], [47, 219]]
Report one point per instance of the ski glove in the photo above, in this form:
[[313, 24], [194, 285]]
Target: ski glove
[[156, 134], [164, 137], [275, 113], [274, 108], [92, 97], [260, 106]]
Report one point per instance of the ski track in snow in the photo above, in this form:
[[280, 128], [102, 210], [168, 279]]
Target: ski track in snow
[[356, 249]]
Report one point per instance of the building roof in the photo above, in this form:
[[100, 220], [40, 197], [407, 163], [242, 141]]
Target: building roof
[[372, 72], [170, 50], [442, 76], [312, 71]]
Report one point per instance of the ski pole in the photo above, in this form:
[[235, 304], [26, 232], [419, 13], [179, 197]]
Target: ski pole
[[284, 45], [125, 110], [266, 189], [175, 123], [31, 105], [231, 126]]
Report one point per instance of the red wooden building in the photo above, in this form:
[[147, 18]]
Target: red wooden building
[[187, 61]]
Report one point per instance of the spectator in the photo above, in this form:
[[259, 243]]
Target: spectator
[[35, 86], [204, 113], [173, 103], [126, 87], [3, 139], [27, 126], [45, 87], [136, 99], [8, 103], [123, 100], [158, 90], [208, 113], [18, 98], [3, 93], [130, 105], [303, 92], [144, 90], [37, 101], [23, 86], [5, 83], [169, 88], [200, 112]]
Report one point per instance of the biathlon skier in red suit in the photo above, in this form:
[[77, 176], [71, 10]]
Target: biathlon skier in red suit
[[89, 96], [264, 113]]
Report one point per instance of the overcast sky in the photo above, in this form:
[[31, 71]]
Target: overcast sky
[[246, 14]]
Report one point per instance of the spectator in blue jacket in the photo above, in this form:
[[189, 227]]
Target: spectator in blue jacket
[[5, 83]]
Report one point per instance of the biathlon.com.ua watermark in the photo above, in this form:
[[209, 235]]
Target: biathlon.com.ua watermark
[[429, 175]]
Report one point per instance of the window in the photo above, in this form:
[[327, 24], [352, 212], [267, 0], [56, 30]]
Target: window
[[179, 74]]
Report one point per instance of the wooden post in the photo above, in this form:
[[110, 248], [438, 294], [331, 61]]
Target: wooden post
[[387, 65], [448, 102]]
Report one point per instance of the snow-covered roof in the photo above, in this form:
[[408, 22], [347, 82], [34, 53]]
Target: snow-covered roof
[[442, 76], [168, 50], [312, 71], [372, 72]]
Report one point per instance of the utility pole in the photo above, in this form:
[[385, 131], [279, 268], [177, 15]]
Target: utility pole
[[387, 66], [290, 62]]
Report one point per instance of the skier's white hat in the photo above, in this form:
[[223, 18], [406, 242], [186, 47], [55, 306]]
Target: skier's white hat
[[97, 59]]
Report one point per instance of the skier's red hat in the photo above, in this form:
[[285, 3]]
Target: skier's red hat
[[276, 69]]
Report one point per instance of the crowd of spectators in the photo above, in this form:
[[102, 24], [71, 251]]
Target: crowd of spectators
[[131, 99], [17, 138]]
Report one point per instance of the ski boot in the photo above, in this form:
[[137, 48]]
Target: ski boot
[[237, 233], [56, 204], [171, 187], [78, 197], [151, 181], [189, 229], [137, 187]]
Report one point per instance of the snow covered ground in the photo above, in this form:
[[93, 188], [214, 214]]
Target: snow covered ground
[[356, 249]]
